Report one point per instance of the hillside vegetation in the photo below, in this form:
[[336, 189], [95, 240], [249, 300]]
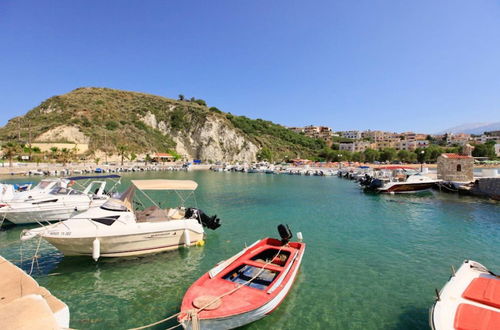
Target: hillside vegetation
[[109, 118]]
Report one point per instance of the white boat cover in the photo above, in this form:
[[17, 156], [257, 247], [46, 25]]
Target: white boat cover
[[165, 184]]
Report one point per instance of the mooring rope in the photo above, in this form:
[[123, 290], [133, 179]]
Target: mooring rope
[[35, 256], [158, 322]]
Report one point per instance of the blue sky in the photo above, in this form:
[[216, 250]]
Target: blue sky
[[395, 65]]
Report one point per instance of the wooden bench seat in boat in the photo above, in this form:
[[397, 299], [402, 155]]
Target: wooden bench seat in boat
[[485, 291], [469, 317]]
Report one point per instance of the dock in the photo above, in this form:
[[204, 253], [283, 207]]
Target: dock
[[26, 305]]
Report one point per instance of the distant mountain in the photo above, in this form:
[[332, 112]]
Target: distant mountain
[[473, 128]]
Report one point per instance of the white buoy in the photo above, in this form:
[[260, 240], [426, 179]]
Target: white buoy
[[187, 239], [299, 236], [96, 249]]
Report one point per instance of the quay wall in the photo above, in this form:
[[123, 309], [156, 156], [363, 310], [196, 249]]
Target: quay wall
[[487, 187]]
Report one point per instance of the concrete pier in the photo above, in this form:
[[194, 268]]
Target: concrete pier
[[26, 305]]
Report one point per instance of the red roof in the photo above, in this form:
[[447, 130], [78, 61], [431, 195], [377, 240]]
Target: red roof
[[455, 156], [396, 167], [159, 154]]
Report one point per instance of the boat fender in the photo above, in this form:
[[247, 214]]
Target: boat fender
[[96, 249], [285, 233], [299, 236], [200, 243], [187, 238]]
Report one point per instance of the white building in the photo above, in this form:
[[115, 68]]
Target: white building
[[355, 135]]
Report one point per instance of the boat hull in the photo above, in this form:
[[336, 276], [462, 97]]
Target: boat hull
[[247, 304], [126, 245], [239, 320], [41, 214], [407, 187]]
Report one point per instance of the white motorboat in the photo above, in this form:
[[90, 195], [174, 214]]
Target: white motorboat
[[470, 300], [115, 229], [399, 180], [54, 200], [11, 191]]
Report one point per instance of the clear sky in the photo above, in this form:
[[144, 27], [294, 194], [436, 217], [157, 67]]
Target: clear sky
[[396, 65]]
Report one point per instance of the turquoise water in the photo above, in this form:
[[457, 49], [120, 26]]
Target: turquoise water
[[372, 261]]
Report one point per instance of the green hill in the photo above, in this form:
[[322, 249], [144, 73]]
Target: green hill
[[107, 118]]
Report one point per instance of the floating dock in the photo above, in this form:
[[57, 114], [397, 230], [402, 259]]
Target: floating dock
[[26, 305]]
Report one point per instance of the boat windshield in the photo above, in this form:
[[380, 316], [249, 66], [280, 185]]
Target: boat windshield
[[44, 184], [64, 191], [113, 204]]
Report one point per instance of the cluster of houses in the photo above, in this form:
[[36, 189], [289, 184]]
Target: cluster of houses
[[359, 141]]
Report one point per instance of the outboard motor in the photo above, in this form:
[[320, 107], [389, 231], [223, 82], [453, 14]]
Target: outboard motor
[[376, 183], [285, 234], [210, 222]]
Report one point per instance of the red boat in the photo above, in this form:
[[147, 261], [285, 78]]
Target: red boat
[[244, 288]]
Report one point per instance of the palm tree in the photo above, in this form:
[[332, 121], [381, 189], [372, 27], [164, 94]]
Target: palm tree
[[65, 156], [54, 152], [121, 150], [10, 149], [37, 159]]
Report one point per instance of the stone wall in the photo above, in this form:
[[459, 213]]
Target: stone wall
[[447, 169], [487, 187]]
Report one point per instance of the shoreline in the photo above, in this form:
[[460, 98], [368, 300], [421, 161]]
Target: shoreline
[[74, 169]]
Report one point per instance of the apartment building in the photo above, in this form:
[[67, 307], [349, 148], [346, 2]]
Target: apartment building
[[355, 135], [359, 146]]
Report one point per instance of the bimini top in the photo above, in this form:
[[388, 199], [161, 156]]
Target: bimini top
[[165, 184]]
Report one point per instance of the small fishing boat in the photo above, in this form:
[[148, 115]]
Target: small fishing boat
[[470, 300], [246, 287], [124, 227]]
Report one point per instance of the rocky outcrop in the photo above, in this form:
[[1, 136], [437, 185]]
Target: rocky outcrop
[[212, 139], [63, 133]]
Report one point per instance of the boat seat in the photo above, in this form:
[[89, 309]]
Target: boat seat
[[469, 317], [484, 290], [154, 213], [151, 214], [175, 214]]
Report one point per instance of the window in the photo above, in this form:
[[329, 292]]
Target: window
[[459, 168]]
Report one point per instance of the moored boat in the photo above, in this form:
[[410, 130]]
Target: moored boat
[[118, 229], [244, 288], [470, 300], [59, 199], [396, 180]]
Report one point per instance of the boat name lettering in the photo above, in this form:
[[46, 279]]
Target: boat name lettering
[[62, 233]]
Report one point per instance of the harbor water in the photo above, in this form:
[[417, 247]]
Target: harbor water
[[371, 262]]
